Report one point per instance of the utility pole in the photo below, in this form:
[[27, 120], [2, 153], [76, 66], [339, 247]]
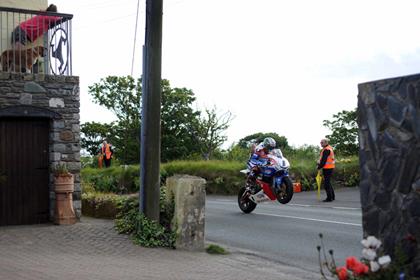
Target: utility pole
[[150, 113]]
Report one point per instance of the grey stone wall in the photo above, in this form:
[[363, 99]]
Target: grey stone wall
[[39, 93], [389, 135]]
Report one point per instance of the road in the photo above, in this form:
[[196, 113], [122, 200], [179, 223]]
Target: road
[[289, 233]]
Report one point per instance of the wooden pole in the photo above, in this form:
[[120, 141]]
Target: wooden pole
[[151, 102]]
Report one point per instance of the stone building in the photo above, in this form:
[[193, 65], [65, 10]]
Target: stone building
[[39, 119]]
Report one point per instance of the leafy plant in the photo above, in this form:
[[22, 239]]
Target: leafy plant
[[144, 231], [60, 169], [149, 233]]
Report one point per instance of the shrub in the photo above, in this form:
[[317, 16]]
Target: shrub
[[128, 219], [346, 173], [117, 179], [101, 205], [144, 231]]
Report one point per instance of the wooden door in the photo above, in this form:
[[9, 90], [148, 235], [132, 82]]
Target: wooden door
[[24, 193]]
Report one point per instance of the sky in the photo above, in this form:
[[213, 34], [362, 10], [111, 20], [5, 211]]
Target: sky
[[276, 66]]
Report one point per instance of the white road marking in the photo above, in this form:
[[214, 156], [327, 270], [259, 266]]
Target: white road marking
[[309, 219], [226, 201], [295, 217]]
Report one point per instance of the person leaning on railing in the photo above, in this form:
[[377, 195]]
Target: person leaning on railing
[[29, 30]]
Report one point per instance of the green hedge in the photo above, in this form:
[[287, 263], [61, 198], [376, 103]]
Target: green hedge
[[102, 205], [118, 179], [346, 173], [222, 177]]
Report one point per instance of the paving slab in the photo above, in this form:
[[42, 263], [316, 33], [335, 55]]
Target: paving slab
[[92, 249]]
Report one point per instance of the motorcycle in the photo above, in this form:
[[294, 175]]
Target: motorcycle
[[267, 182]]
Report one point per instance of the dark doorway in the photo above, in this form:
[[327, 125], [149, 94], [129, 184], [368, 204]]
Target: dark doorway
[[24, 190]]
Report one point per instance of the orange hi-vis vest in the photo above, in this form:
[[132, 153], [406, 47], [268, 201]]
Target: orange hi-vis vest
[[107, 151], [330, 163]]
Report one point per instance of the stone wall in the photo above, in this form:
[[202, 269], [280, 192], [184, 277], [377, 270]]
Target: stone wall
[[58, 97], [389, 135]]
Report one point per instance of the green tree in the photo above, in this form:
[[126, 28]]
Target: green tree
[[281, 141], [344, 136], [93, 134], [122, 95], [209, 132], [178, 123]]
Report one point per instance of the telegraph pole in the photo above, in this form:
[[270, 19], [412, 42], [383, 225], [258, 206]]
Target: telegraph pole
[[150, 113]]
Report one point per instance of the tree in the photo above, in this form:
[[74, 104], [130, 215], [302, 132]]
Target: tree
[[281, 141], [93, 134], [209, 131], [122, 95], [178, 123], [344, 136]]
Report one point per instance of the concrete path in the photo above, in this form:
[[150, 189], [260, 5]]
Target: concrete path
[[91, 249]]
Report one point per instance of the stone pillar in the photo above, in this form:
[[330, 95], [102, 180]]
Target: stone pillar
[[189, 196], [389, 136]]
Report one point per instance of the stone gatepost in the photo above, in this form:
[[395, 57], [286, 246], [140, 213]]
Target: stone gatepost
[[389, 136], [189, 196]]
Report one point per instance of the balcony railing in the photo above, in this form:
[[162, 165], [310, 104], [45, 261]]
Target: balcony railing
[[35, 42]]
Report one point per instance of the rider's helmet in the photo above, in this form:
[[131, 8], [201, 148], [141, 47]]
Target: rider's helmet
[[269, 143]]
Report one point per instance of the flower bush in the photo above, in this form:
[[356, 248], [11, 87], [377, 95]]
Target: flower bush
[[370, 266]]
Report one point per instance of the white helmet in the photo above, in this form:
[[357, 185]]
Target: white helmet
[[269, 143]]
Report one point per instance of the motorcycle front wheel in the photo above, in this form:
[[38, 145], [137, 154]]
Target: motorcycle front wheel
[[245, 204], [285, 192]]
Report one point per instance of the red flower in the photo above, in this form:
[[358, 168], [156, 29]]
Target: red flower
[[351, 262], [360, 269], [342, 273]]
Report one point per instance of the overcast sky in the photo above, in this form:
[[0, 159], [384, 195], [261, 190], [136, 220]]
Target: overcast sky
[[277, 66]]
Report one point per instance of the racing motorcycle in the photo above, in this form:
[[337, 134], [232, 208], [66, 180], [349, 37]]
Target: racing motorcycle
[[267, 182]]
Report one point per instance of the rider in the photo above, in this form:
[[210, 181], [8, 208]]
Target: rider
[[265, 160], [260, 155]]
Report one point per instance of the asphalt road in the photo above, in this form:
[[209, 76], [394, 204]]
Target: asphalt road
[[289, 233]]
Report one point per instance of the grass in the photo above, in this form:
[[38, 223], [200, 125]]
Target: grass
[[216, 250]]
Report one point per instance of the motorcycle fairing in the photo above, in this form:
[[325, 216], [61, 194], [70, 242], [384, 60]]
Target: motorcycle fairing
[[267, 189]]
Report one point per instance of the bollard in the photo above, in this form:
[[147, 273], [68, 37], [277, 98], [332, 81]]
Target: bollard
[[189, 196]]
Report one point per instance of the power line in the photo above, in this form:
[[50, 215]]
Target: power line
[[135, 35]]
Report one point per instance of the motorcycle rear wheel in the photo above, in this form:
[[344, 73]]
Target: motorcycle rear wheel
[[245, 204], [285, 194]]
